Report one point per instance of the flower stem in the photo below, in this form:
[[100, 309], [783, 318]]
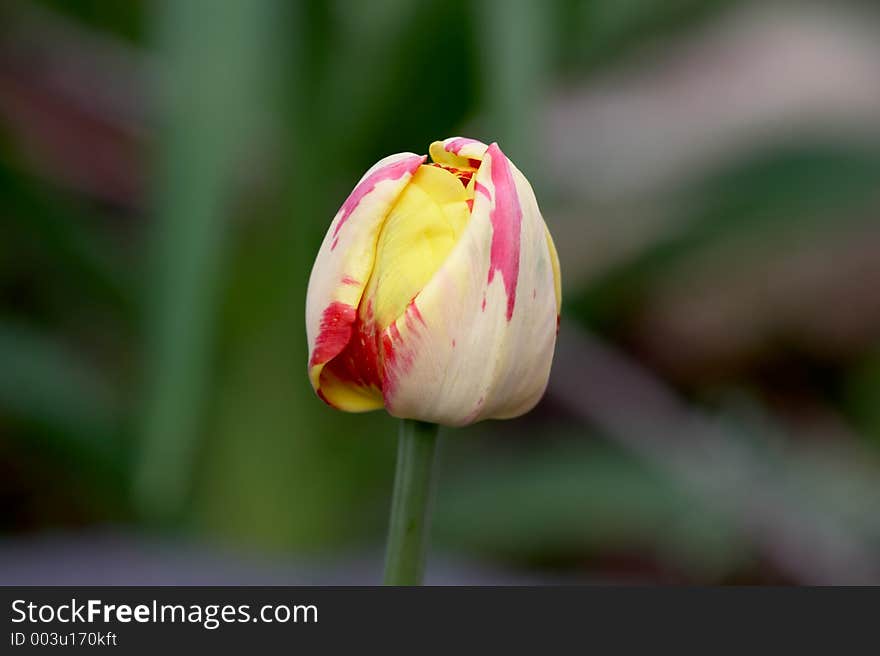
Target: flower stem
[[411, 503]]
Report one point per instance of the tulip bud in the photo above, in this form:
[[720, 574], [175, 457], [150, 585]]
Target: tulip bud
[[436, 291]]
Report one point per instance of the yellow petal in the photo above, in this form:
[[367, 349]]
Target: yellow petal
[[460, 152], [344, 395], [557, 276], [417, 237]]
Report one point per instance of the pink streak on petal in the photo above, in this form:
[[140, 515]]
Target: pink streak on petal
[[348, 280], [506, 217], [482, 189], [393, 171], [455, 145], [398, 360], [475, 412]]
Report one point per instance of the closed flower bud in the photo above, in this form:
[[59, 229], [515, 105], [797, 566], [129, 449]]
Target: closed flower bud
[[436, 291]]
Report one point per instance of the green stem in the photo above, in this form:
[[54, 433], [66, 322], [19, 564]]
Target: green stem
[[411, 503]]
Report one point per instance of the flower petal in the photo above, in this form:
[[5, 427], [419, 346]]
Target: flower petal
[[477, 342], [416, 237], [557, 275], [460, 152], [342, 268]]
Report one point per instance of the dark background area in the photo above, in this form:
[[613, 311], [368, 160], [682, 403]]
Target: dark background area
[[710, 172]]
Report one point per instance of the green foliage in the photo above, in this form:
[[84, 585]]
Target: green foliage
[[579, 498], [46, 385]]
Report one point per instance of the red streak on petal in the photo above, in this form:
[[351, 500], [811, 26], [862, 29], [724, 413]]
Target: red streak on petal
[[412, 316], [506, 217], [413, 308], [475, 412], [395, 333], [334, 333], [455, 145], [482, 189], [393, 171], [397, 361], [352, 349], [470, 204], [333, 245], [453, 343], [387, 348], [348, 280], [389, 375], [464, 175], [475, 163], [358, 362], [483, 307]]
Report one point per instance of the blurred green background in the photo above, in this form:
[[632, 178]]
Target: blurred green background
[[710, 172]]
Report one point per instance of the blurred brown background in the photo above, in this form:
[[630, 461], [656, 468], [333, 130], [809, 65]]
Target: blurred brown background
[[710, 171]]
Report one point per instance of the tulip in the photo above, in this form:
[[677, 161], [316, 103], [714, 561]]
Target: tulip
[[436, 291], [435, 295]]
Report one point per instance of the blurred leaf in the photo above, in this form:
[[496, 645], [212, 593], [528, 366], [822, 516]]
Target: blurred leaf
[[796, 188], [123, 18], [59, 232], [570, 498], [515, 39], [283, 470], [394, 76], [594, 32], [211, 93], [862, 396], [45, 385], [840, 482]]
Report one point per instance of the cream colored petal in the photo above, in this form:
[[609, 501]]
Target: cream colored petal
[[478, 341], [344, 263]]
